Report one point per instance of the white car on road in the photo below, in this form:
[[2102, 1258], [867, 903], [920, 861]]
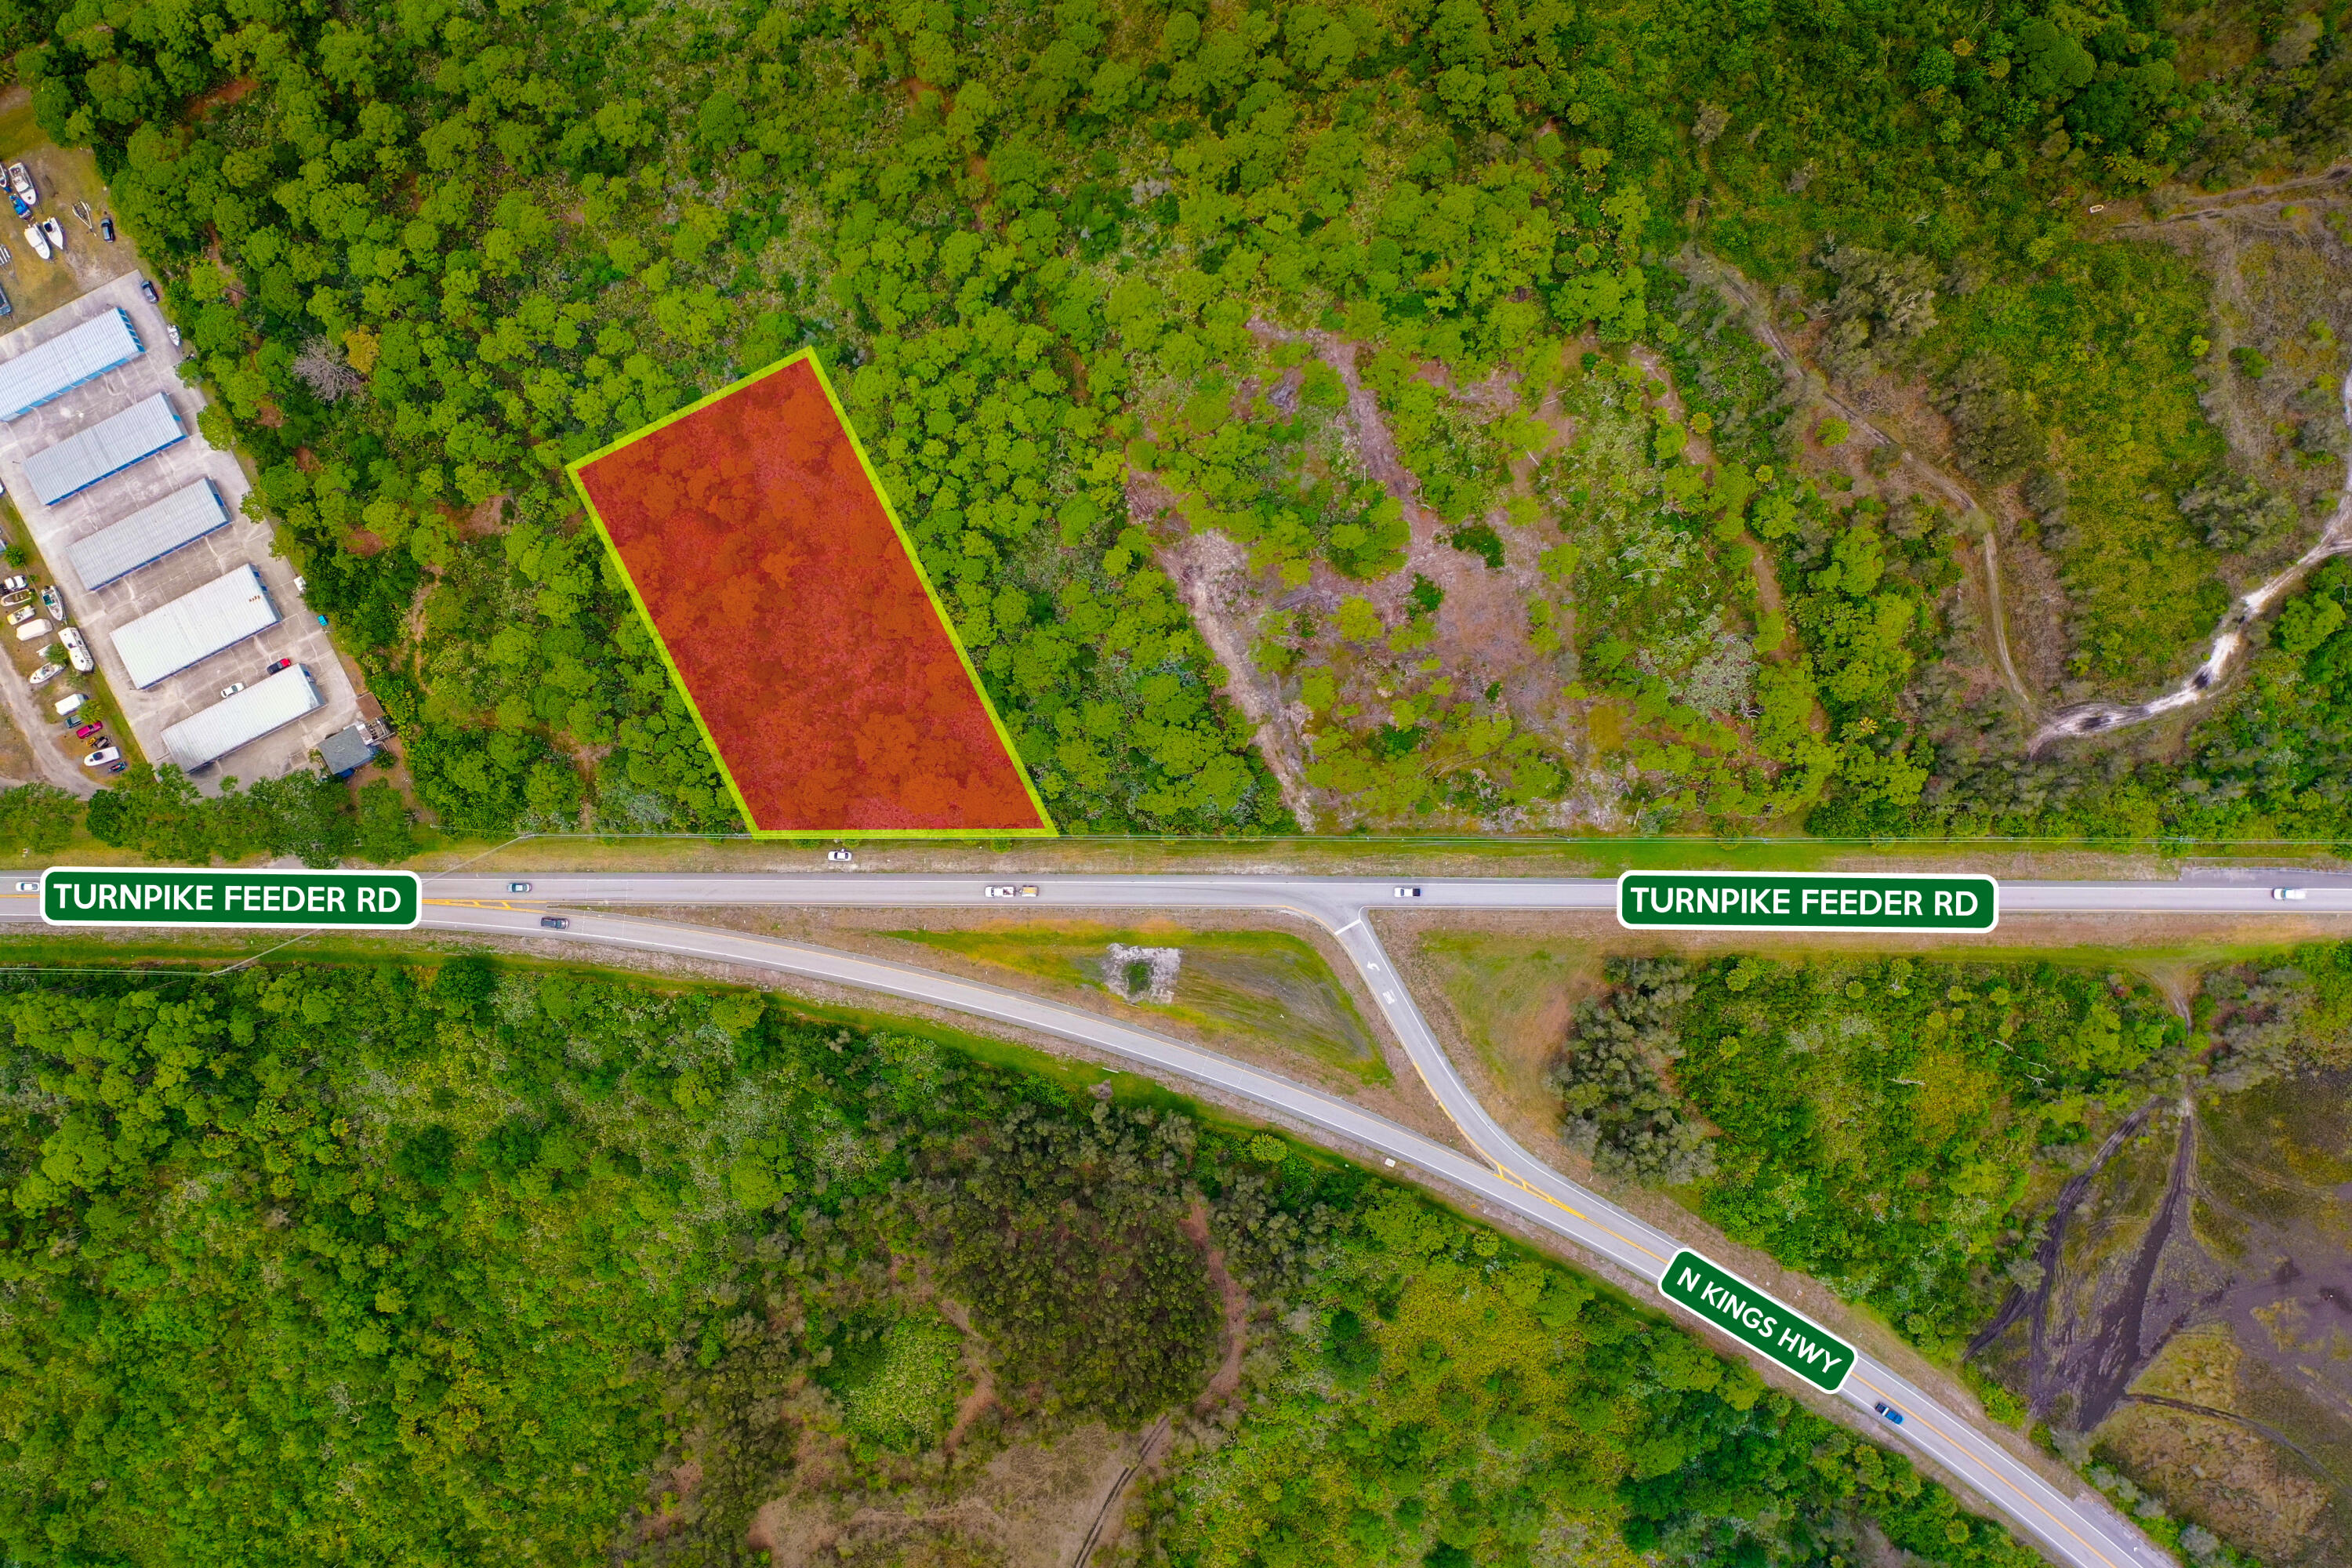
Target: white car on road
[[1008, 891]]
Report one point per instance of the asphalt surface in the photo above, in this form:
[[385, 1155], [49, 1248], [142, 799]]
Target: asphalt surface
[[2080, 1530]]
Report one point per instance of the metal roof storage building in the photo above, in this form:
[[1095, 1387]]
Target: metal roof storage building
[[148, 534], [264, 706], [109, 447], [54, 368], [196, 624]]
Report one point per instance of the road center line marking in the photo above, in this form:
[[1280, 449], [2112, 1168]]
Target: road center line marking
[[2038, 1505]]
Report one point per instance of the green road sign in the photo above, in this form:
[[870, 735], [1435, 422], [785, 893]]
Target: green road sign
[[1752, 1318], [126, 896], [1805, 900]]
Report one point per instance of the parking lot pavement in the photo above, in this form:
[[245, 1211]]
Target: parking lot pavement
[[298, 635]]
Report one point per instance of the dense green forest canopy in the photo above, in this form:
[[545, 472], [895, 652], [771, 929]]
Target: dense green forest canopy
[[1104, 279], [451, 1263]]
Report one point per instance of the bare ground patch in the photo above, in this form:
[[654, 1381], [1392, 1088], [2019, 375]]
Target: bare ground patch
[[1482, 629]]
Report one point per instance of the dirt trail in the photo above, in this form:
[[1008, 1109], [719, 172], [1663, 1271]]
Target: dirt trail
[[2036, 1302], [1235, 1303], [1146, 1452], [2248, 1422], [2230, 638], [1701, 267], [2219, 203], [2123, 1341]]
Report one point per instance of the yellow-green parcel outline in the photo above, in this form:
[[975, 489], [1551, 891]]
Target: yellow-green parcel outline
[[914, 559]]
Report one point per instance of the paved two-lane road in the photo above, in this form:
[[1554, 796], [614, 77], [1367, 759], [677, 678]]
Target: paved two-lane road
[[2080, 1531]]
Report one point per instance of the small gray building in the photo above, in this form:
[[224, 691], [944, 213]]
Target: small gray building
[[346, 751]]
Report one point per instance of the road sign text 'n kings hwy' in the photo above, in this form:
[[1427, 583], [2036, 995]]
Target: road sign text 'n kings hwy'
[[1754, 1319]]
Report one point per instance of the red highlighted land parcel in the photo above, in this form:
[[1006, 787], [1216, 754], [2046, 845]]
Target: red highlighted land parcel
[[788, 603]]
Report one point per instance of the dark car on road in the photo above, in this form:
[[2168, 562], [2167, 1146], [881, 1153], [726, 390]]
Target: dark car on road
[[555, 922]]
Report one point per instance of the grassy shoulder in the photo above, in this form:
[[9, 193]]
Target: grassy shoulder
[[1981, 1150], [1225, 983], [472, 1260]]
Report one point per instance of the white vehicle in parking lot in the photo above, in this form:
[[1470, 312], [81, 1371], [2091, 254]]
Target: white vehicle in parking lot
[[45, 674], [76, 651], [103, 756], [34, 628], [39, 241], [18, 617]]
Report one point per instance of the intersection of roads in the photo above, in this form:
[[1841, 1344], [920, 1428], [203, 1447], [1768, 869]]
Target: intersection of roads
[[2076, 1527]]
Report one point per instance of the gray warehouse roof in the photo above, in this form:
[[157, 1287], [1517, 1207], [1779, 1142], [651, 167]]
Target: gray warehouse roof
[[264, 706], [109, 447], [196, 624], [148, 534], [53, 368]]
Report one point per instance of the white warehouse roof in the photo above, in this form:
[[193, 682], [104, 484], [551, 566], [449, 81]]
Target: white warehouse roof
[[196, 624], [148, 534], [109, 447], [264, 706], [54, 368]]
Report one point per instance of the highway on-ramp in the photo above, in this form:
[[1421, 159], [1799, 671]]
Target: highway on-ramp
[[2082, 1530]]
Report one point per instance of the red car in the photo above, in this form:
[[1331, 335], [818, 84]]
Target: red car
[[281, 664], [87, 730]]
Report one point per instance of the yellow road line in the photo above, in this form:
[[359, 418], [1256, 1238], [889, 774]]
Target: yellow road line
[[2038, 1505]]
